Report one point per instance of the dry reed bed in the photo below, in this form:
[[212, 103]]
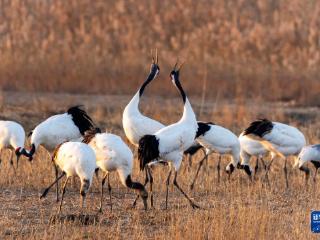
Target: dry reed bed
[[261, 49], [235, 209]]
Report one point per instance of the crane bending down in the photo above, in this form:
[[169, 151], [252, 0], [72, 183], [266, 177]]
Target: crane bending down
[[112, 154], [12, 137], [281, 139], [311, 154], [215, 138], [74, 159]]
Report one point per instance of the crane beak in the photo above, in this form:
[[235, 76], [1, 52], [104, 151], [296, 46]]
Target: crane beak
[[154, 58]]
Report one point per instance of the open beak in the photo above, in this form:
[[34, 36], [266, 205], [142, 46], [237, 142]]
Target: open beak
[[176, 68], [155, 58]]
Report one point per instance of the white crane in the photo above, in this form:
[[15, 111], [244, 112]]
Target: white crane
[[169, 143], [74, 159], [12, 137], [311, 154], [68, 126], [215, 138], [135, 124], [112, 154], [281, 139]]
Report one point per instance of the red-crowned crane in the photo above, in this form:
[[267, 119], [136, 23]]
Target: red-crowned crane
[[310, 153], [279, 138], [12, 137], [113, 155], [215, 138], [74, 159], [168, 144]]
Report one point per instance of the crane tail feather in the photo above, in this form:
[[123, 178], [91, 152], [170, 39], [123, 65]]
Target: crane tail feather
[[266, 144]]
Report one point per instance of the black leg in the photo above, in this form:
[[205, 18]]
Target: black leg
[[256, 168], [45, 192], [151, 186], [192, 204], [11, 161], [266, 177], [101, 196], [218, 168], [263, 163], [82, 199], [63, 192], [196, 176], [167, 190], [109, 189], [307, 174], [190, 161], [17, 160], [286, 172], [96, 172], [56, 171]]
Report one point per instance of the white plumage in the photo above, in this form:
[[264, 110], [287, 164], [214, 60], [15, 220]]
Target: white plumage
[[74, 159], [60, 128], [311, 154], [12, 137], [112, 154], [215, 138], [54, 131], [169, 143], [57, 129], [308, 153], [248, 148], [135, 124], [278, 138]]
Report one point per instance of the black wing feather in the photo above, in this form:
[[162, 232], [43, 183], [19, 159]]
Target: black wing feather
[[148, 150], [193, 149], [81, 119], [259, 127], [203, 127]]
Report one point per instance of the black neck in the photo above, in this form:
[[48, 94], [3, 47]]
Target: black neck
[[33, 149], [151, 76], [179, 87], [133, 185]]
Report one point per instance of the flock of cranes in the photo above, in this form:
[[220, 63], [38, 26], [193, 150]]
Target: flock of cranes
[[79, 148]]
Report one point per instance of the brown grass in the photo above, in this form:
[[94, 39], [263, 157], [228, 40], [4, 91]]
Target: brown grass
[[256, 49], [231, 210]]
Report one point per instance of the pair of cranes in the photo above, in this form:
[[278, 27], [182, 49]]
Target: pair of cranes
[[156, 143], [260, 138]]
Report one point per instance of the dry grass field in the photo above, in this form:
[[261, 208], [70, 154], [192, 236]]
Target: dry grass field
[[245, 59], [235, 209], [247, 48]]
